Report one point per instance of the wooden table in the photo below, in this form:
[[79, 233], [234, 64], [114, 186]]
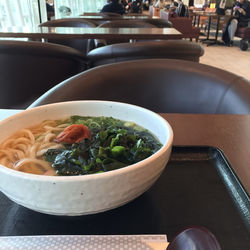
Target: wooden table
[[90, 33], [102, 19], [109, 18]]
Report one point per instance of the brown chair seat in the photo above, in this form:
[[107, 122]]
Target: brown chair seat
[[162, 85], [172, 49], [244, 33], [184, 25]]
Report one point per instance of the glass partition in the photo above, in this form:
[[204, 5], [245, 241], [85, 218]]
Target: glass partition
[[74, 8]]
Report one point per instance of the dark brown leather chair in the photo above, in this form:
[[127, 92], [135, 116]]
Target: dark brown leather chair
[[172, 49], [162, 85], [28, 69], [244, 33], [111, 14], [159, 22], [133, 23], [105, 14], [184, 25], [121, 24], [126, 23], [136, 15], [83, 45]]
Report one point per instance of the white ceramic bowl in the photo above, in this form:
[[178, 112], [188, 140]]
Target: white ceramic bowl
[[87, 194]]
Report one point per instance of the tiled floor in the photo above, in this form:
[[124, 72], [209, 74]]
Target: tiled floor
[[228, 58]]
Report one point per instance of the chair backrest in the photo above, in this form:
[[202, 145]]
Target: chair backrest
[[28, 69], [134, 23], [111, 14], [104, 14], [83, 45], [184, 25], [162, 85], [124, 24], [159, 22], [137, 15], [172, 49], [181, 23]]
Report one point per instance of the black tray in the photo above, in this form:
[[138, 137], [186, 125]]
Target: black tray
[[198, 187]]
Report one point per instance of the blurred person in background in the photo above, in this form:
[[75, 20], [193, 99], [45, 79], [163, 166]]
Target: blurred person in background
[[136, 6], [160, 4], [223, 5], [182, 9], [114, 6], [126, 5], [173, 5], [64, 11], [220, 7], [146, 4], [240, 18], [50, 9], [172, 8]]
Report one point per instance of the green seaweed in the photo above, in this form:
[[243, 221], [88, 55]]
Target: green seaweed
[[113, 145]]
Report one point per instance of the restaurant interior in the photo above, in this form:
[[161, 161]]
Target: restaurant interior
[[162, 66]]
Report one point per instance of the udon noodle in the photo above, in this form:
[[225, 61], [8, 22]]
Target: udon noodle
[[77, 146], [23, 151]]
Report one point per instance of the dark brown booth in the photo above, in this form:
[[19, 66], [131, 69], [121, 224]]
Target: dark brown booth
[[121, 24], [162, 85], [28, 69], [83, 45], [168, 49], [244, 33], [159, 22]]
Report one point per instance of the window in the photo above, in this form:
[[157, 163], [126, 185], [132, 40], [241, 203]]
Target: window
[[22, 13], [26, 13], [74, 8]]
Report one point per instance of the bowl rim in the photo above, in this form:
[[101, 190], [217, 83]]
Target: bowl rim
[[103, 175]]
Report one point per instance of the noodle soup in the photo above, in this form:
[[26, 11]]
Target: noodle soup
[[77, 146], [87, 193]]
